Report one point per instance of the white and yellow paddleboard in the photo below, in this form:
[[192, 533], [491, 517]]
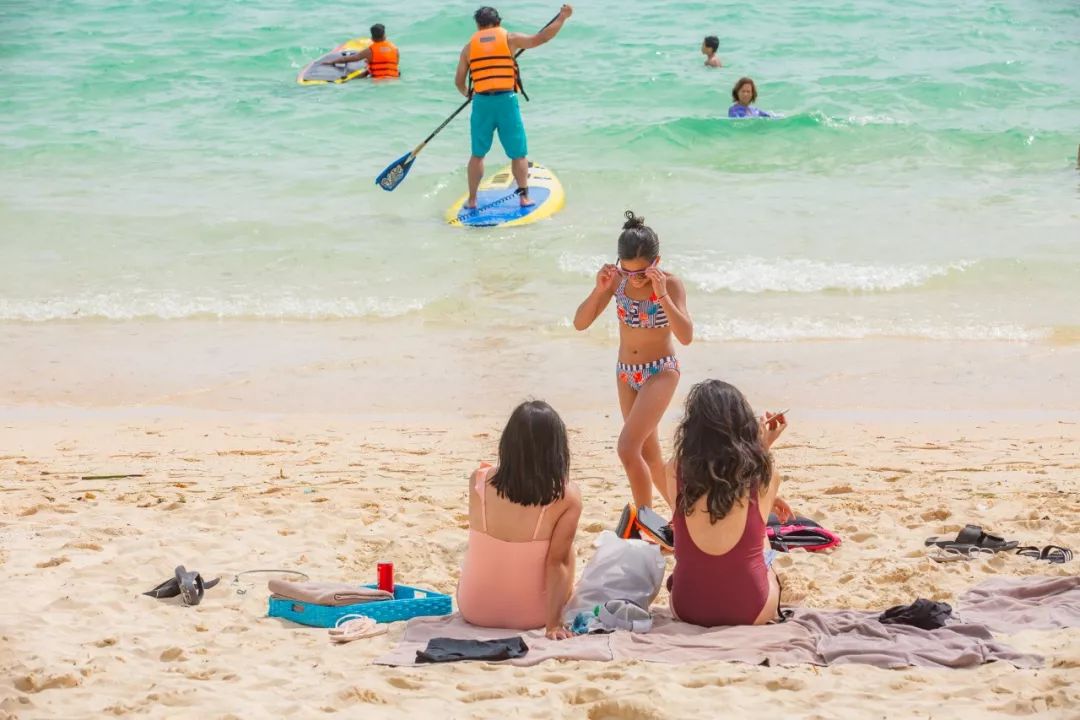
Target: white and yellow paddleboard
[[497, 203], [316, 73]]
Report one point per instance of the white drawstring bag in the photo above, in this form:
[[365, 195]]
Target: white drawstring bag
[[619, 570]]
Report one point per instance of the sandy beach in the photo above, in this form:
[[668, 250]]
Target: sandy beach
[[284, 446]]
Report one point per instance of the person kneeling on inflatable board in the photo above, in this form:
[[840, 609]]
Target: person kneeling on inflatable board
[[381, 56]]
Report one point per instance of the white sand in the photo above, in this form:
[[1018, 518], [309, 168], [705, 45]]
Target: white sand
[[364, 459]]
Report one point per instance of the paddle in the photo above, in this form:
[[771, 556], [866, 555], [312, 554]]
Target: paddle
[[396, 171]]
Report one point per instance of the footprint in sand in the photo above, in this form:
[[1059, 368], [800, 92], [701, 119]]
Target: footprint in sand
[[34, 683], [785, 683], [172, 654], [482, 695], [554, 678], [584, 696], [605, 675], [53, 562], [364, 695], [623, 710], [403, 683]]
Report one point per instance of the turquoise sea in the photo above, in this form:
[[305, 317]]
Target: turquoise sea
[[158, 161]]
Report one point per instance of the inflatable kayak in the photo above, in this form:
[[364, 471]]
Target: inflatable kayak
[[318, 73]]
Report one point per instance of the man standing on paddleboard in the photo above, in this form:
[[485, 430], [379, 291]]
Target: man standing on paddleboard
[[488, 71]]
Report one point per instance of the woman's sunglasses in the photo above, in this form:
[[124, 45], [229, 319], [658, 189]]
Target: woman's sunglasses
[[634, 273]]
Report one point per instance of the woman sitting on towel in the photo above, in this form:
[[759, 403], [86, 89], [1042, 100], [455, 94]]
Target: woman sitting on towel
[[723, 479], [519, 567]]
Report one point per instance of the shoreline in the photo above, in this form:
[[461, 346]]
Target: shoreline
[[395, 368]]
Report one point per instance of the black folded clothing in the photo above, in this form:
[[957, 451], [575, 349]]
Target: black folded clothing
[[441, 650], [922, 613]]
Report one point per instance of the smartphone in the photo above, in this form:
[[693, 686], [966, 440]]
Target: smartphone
[[772, 421]]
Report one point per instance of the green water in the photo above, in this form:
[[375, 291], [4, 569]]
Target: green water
[[158, 160]]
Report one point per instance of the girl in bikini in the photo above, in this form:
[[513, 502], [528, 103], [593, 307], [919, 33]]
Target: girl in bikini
[[651, 306], [519, 565], [724, 482]]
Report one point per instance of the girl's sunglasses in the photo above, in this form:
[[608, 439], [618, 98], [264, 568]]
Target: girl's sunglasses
[[634, 273]]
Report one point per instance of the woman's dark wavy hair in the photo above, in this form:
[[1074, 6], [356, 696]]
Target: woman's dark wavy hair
[[637, 240], [718, 449], [534, 456]]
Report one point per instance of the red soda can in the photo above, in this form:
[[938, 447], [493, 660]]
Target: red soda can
[[386, 576]]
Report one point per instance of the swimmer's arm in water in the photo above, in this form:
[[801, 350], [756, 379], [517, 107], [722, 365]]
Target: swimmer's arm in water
[[607, 278], [364, 55], [671, 294], [520, 41], [713, 62], [461, 77]]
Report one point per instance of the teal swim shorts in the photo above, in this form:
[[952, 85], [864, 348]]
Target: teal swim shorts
[[498, 112]]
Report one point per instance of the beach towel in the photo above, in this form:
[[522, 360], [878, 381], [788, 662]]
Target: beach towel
[[1012, 604], [325, 593], [814, 637]]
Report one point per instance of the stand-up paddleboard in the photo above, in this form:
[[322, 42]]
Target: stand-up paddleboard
[[316, 73], [497, 202]]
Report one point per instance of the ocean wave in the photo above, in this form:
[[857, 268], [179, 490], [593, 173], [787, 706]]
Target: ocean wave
[[798, 275], [803, 328], [117, 306], [791, 275]]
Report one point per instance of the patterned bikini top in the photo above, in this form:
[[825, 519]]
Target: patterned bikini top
[[639, 313]]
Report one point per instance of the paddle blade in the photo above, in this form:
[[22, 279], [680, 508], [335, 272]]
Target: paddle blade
[[395, 172]]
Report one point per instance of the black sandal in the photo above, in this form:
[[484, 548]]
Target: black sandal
[[973, 535], [189, 585]]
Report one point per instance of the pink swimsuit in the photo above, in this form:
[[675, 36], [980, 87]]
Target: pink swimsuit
[[503, 583]]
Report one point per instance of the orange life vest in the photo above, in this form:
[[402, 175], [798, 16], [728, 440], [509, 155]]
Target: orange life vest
[[492, 67], [384, 60]]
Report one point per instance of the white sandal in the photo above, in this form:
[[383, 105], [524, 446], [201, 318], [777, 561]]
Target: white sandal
[[355, 627]]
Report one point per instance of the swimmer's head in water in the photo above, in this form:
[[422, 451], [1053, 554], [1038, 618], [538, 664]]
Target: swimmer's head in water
[[534, 456], [744, 92], [639, 247], [487, 17], [378, 32], [712, 43]]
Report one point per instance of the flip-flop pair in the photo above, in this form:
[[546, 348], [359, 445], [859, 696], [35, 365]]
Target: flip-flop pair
[[355, 627], [958, 553], [188, 584], [1053, 554], [643, 523], [973, 536]]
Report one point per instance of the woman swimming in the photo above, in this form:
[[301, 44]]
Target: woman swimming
[[651, 307], [723, 478], [744, 93], [519, 566]]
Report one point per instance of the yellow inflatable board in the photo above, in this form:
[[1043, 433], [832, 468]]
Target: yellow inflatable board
[[497, 203], [319, 73]]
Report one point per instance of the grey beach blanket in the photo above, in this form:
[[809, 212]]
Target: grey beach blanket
[[814, 637]]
